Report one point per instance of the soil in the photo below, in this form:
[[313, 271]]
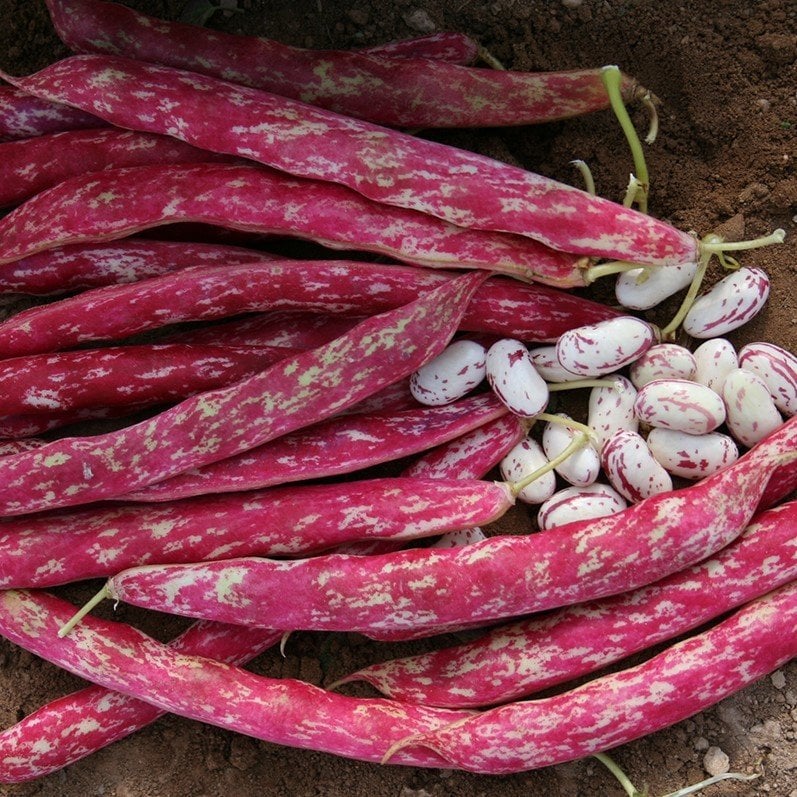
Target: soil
[[725, 73]]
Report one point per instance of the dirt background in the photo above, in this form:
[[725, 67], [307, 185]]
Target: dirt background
[[725, 72]]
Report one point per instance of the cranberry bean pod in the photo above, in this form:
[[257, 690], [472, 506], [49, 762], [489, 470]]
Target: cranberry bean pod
[[342, 287], [715, 359], [216, 424], [751, 412], [686, 678], [281, 710], [451, 375], [573, 504], [338, 445], [24, 116], [604, 347], [67, 268], [451, 46], [514, 379], [502, 577], [393, 168], [401, 92], [516, 660], [18, 427], [251, 198], [32, 165], [631, 467], [88, 720], [680, 405], [125, 375], [729, 304], [778, 368], [692, 456], [663, 361], [611, 409], [57, 548]]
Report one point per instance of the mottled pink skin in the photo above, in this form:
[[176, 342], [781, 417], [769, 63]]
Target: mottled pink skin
[[76, 725], [729, 304], [386, 166], [35, 164], [663, 361], [135, 375], [24, 116], [502, 577], [289, 395], [681, 405], [631, 467], [254, 199], [514, 379], [18, 427], [339, 445], [402, 92], [778, 368], [15, 446], [332, 286], [617, 708], [604, 347], [67, 268], [516, 660], [62, 547], [451, 46], [280, 710], [572, 504]]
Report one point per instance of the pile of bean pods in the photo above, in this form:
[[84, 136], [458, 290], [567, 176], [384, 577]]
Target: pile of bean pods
[[237, 399]]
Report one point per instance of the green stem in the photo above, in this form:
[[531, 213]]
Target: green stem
[[557, 387], [612, 80], [632, 191], [104, 593], [607, 269], [688, 300], [578, 442], [618, 773], [696, 787], [586, 175], [653, 128]]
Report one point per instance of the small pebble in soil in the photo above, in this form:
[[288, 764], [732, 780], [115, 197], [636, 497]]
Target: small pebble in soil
[[716, 762], [778, 679]]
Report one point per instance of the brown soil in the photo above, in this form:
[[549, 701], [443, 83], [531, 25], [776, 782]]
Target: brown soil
[[725, 72]]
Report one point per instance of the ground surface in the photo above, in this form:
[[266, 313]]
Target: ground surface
[[725, 72]]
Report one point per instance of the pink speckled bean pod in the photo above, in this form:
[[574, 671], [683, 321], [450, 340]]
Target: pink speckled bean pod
[[216, 424], [336, 286], [24, 116], [338, 445], [281, 710], [137, 375], [401, 92], [531, 655], [35, 164], [686, 678], [79, 266], [250, 198], [502, 577], [445, 45], [389, 167], [92, 718], [61, 547]]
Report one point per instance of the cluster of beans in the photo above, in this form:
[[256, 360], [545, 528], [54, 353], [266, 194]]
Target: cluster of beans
[[661, 413]]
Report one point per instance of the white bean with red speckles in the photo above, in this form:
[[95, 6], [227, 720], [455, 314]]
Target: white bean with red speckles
[[605, 347], [641, 289], [514, 379], [778, 368], [632, 469], [733, 301], [715, 359], [612, 409], [681, 405], [548, 366], [582, 467], [580, 503], [752, 413], [663, 361], [692, 456], [453, 539], [451, 375], [525, 458]]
